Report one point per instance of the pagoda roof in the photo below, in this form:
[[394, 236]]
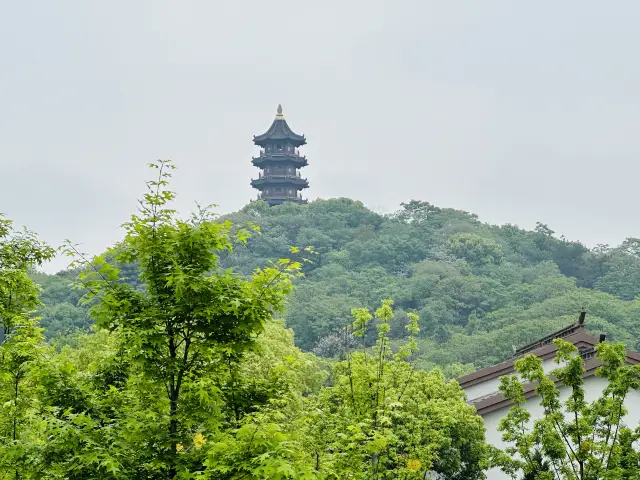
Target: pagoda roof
[[279, 130]]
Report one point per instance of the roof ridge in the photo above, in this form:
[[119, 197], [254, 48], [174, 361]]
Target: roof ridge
[[562, 333], [543, 350], [567, 331]]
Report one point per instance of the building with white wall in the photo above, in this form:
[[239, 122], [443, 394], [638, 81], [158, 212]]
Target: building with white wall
[[482, 385]]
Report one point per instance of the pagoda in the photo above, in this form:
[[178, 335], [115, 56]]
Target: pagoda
[[279, 180]]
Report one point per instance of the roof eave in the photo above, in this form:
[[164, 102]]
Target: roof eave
[[265, 138], [499, 401], [581, 338]]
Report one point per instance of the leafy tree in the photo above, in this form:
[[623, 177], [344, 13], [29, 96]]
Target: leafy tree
[[20, 358], [475, 249], [19, 251], [189, 324], [63, 319], [20, 346], [260, 449], [381, 418], [621, 270], [575, 439]]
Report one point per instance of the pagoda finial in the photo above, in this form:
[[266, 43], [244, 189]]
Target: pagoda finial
[[279, 114]]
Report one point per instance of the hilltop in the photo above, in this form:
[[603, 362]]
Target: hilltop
[[480, 289]]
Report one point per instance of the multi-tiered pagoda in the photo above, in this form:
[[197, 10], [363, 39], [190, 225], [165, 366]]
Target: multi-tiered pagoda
[[280, 162]]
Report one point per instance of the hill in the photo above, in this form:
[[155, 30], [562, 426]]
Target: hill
[[479, 289]]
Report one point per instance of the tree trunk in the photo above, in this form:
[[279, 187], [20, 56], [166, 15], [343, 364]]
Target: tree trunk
[[173, 430]]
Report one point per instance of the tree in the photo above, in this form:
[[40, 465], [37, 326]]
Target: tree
[[381, 418], [19, 251], [190, 323], [621, 270], [575, 439], [20, 344], [475, 249], [20, 357]]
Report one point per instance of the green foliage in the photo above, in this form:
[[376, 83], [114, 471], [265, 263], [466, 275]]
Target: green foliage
[[187, 375], [621, 267], [61, 312], [575, 439], [382, 418], [475, 249], [470, 282], [259, 450], [185, 356], [21, 347], [19, 251], [191, 323]]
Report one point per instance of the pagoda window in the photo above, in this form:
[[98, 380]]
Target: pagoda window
[[279, 147]]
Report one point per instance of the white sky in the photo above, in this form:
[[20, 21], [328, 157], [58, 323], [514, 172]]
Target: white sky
[[517, 111]]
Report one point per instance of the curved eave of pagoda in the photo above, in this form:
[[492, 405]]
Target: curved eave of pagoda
[[296, 182], [263, 141], [279, 131], [277, 159]]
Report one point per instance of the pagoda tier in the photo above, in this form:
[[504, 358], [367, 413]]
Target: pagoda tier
[[273, 200], [279, 162], [283, 181], [280, 159]]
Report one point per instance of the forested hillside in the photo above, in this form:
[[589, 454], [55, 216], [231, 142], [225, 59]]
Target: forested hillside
[[479, 289]]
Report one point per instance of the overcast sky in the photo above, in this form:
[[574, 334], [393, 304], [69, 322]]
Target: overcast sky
[[517, 111]]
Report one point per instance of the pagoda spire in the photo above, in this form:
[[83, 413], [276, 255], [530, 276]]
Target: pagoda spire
[[280, 162]]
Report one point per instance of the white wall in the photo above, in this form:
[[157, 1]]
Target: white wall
[[593, 388]]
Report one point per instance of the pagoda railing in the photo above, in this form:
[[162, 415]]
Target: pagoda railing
[[279, 175], [295, 153], [279, 197]]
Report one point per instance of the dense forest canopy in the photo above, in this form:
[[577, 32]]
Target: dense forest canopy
[[480, 290]]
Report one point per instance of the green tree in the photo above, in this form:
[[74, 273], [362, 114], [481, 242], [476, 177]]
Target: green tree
[[381, 418], [475, 249], [575, 439], [20, 346], [191, 322], [20, 250], [20, 357], [621, 270]]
